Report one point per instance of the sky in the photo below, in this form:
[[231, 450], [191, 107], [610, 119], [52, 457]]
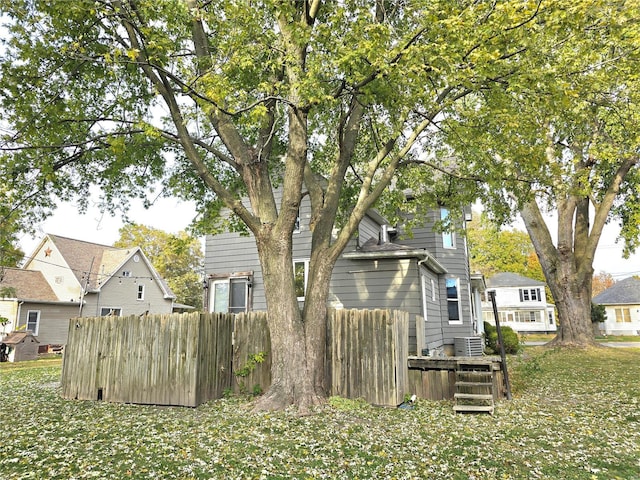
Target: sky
[[172, 215], [168, 214]]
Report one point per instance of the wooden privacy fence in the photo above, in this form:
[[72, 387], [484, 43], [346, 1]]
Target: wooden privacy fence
[[188, 359], [179, 359], [367, 355]]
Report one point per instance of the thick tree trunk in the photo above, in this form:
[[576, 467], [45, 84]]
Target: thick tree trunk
[[296, 351], [573, 301], [568, 273]]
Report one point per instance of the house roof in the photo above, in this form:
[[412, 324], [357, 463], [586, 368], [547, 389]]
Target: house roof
[[15, 338], [27, 285], [372, 250], [100, 262], [508, 279], [86, 258], [624, 292]]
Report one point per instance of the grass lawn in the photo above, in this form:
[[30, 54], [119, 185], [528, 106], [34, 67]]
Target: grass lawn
[[543, 337], [575, 415]]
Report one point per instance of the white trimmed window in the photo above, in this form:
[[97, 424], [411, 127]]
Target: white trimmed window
[[110, 312], [140, 292], [230, 295], [623, 315], [33, 321], [448, 238], [453, 299], [530, 295]]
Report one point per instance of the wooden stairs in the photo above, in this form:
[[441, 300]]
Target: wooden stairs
[[474, 388]]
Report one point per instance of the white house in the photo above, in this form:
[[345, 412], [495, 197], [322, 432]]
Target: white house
[[521, 303], [622, 305]]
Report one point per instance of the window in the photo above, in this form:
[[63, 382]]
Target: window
[[623, 315], [110, 312], [33, 321], [530, 295], [453, 299], [448, 238], [300, 273], [126, 274], [140, 292], [230, 295]]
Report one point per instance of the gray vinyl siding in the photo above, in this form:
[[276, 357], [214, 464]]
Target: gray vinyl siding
[[382, 283], [229, 253], [367, 229], [122, 292], [456, 262], [433, 322], [385, 283], [53, 327]]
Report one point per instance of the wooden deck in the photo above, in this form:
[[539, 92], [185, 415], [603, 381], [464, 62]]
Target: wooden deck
[[434, 378]]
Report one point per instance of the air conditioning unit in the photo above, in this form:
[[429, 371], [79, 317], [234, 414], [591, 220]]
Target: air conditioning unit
[[468, 346]]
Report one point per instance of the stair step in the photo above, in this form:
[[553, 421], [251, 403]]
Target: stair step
[[473, 408], [473, 396], [474, 384]]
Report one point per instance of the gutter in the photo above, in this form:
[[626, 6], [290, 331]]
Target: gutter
[[425, 257]]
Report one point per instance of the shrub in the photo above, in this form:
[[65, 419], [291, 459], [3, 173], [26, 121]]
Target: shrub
[[598, 313], [509, 337]]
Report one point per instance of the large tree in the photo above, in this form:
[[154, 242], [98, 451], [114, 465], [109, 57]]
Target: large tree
[[566, 132], [493, 249], [331, 100], [176, 256]]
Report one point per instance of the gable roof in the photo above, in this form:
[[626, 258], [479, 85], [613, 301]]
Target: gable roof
[[14, 338], [89, 258], [94, 264], [624, 292], [27, 285], [508, 279]]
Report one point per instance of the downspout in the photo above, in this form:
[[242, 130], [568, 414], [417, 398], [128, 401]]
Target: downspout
[[18, 315]]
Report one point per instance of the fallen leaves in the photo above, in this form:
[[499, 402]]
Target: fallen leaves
[[575, 418]]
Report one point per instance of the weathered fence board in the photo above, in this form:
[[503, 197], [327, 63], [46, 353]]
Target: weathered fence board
[[163, 360], [367, 355], [251, 337], [188, 359]]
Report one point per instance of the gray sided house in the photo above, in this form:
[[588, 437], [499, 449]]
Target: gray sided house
[[66, 278], [425, 274]]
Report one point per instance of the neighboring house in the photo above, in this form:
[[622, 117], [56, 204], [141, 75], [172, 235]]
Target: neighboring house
[[521, 303], [622, 305], [33, 306], [425, 274], [66, 278]]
